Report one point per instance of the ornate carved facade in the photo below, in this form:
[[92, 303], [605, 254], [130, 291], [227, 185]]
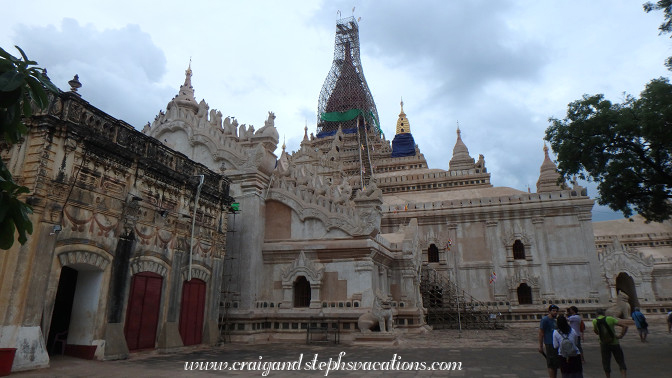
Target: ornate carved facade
[[112, 259]]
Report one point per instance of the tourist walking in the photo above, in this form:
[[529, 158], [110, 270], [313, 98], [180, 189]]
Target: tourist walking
[[578, 326], [609, 345], [669, 321], [641, 324], [565, 342], [546, 328]]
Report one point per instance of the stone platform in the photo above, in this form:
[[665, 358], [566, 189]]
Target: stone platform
[[375, 339]]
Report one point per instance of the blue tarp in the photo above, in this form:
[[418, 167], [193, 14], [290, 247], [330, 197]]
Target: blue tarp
[[332, 132], [403, 145]]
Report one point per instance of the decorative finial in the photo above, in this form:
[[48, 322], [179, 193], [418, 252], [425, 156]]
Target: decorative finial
[[283, 143], [402, 103], [75, 84], [458, 130]]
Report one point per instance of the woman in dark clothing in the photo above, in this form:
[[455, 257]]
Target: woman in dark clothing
[[570, 358]]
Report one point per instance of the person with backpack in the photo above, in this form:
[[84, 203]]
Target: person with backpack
[[546, 327], [565, 341], [641, 324], [578, 326], [603, 326]]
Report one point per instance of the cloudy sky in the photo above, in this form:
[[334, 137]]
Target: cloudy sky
[[499, 68]]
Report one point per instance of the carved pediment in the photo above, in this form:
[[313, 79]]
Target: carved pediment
[[311, 197], [302, 266], [509, 238], [615, 260], [522, 275], [440, 240]]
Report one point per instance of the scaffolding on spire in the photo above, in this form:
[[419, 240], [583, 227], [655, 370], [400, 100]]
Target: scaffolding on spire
[[345, 97]]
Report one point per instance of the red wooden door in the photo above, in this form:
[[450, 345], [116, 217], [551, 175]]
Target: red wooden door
[[191, 314], [142, 314]]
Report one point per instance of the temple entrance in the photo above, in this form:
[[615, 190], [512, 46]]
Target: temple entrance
[[142, 314], [433, 254], [60, 320], [73, 319], [626, 284], [191, 312], [524, 294], [301, 292]]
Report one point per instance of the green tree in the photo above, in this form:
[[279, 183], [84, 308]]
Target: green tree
[[666, 26], [626, 148], [22, 86]]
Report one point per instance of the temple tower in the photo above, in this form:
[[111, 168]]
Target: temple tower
[[345, 101], [345, 97]]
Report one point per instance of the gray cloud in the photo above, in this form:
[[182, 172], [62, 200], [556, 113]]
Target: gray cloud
[[464, 45], [120, 69]]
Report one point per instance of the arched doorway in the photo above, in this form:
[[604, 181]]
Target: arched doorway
[[191, 313], [74, 318], [301, 292], [142, 313], [518, 250], [433, 254], [524, 294], [60, 320], [626, 284]]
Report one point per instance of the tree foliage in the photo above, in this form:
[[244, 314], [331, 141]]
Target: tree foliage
[[666, 26], [626, 148], [22, 86]]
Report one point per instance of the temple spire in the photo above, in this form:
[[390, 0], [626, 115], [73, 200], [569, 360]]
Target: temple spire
[[461, 159], [549, 177], [185, 98], [403, 126], [345, 99]]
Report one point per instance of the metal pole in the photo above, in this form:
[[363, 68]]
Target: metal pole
[[457, 297]]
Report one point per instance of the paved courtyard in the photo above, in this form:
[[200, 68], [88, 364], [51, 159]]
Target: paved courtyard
[[508, 353]]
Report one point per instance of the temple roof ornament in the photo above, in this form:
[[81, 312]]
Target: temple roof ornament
[[185, 98], [461, 158], [403, 143], [75, 85], [549, 177], [403, 126]]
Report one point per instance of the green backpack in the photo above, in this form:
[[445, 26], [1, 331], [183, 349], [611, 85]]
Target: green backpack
[[604, 331]]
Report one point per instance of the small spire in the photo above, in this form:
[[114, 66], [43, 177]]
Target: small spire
[[185, 97], [549, 177], [403, 126], [283, 144], [461, 159], [187, 74]]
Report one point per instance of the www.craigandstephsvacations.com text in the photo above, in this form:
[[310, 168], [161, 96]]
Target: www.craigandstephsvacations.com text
[[326, 366]]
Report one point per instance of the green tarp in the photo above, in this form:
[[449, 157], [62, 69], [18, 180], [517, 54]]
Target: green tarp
[[347, 116], [341, 116]]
